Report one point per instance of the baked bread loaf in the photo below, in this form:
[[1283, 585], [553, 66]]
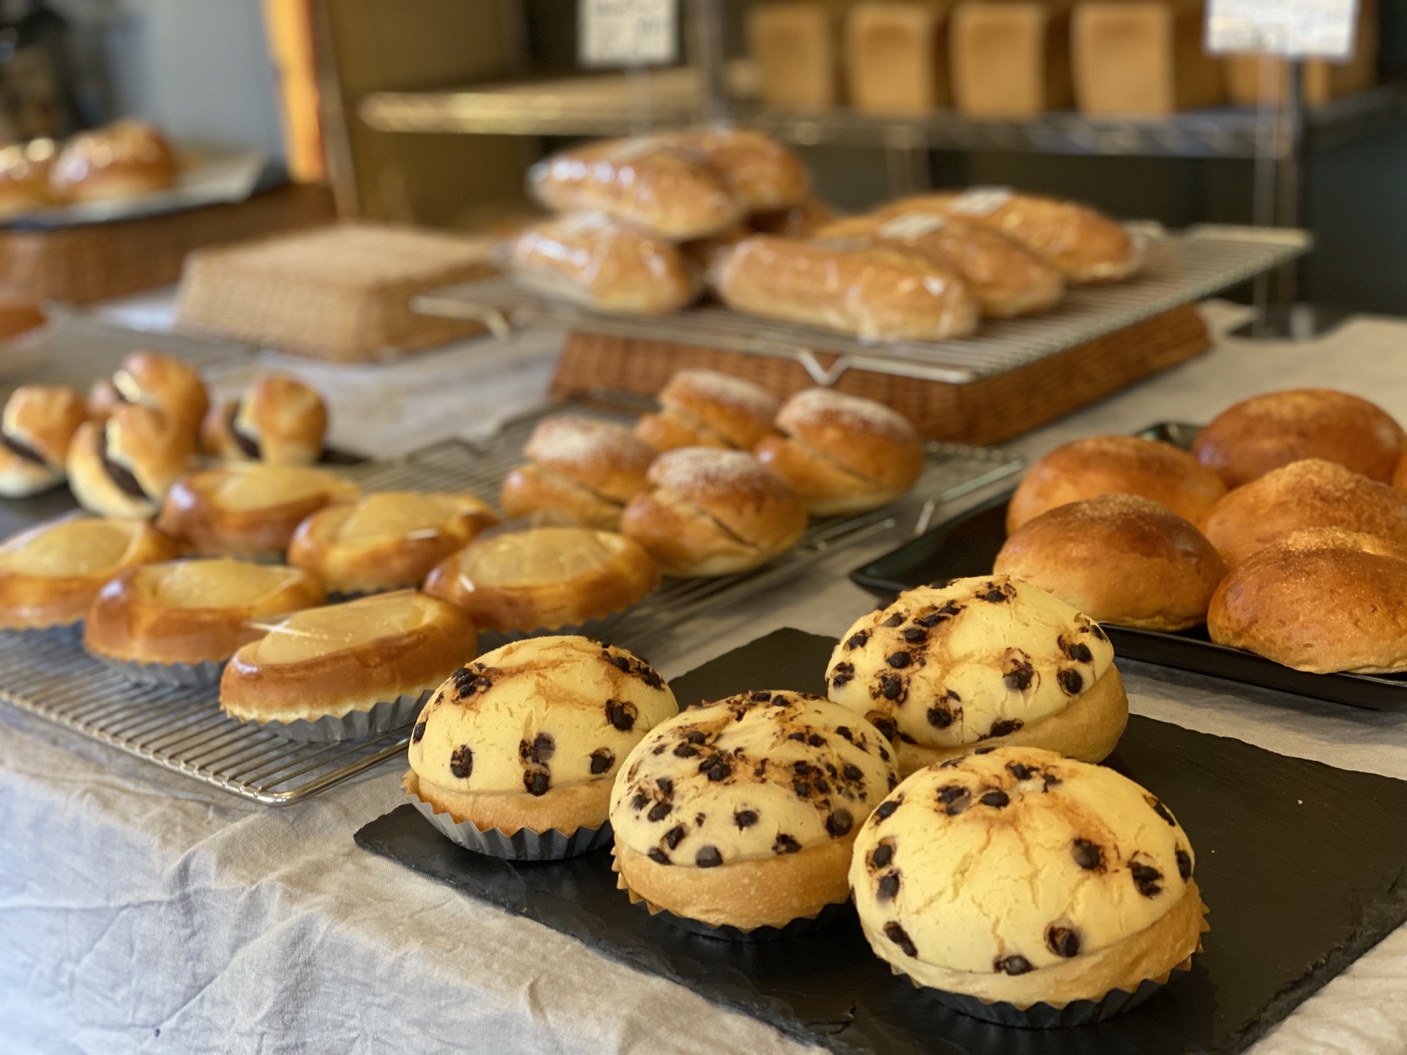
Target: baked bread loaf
[[986, 660], [878, 292], [742, 812], [248, 508], [843, 454], [24, 177], [581, 469], [544, 578], [533, 734], [800, 221], [759, 173], [166, 383], [1322, 600], [36, 430], [714, 512], [280, 421], [1119, 559], [1307, 494], [50, 574], [1249, 439], [703, 408], [123, 467], [121, 160], [1107, 465], [334, 660], [190, 611], [1022, 877], [386, 540]]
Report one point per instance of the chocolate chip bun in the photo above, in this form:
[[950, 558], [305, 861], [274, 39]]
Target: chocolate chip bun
[[280, 421], [743, 812], [166, 383], [1118, 559], [843, 454], [581, 469], [532, 735], [991, 660], [1322, 600], [1308, 494], [125, 465], [1107, 465], [714, 512], [1015, 875], [703, 408], [1265, 432], [35, 432]]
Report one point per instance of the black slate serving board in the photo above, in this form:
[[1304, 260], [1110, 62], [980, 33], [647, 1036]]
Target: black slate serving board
[[1302, 866]]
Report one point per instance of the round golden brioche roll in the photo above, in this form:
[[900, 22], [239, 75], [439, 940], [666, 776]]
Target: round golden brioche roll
[[581, 469], [124, 466], [36, 429], [703, 408], [280, 420]]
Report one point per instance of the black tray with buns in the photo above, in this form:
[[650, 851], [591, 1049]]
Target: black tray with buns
[[1300, 864], [968, 543]]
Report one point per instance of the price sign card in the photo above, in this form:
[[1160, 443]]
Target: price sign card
[[1293, 28], [628, 32]]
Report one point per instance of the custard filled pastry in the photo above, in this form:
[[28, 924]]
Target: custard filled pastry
[[35, 432], [280, 421]]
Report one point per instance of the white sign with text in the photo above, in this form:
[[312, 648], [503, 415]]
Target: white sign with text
[[1294, 28], [628, 32]]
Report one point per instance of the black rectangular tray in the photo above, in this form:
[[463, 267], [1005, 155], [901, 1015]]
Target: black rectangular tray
[[1300, 863], [969, 543]]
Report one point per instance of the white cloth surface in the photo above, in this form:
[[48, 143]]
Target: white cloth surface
[[140, 912]]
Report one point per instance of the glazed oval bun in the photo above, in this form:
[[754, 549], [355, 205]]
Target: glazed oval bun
[[1019, 876], [333, 660], [1105, 465], [533, 734], [50, 574], [386, 540], [580, 468], [842, 453], [703, 408], [125, 465], [1322, 600], [1305, 494], [24, 177], [988, 660], [742, 812], [761, 174], [36, 429], [280, 420], [544, 578], [190, 611], [120, 160], [1265, 432], [166, 383], [714, 512], [1119, 559]]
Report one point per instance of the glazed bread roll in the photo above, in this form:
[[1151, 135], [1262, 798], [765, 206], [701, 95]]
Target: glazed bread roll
[[703, 408], [50, 574], [878, 292], [386, 540], [583, 469], [280, 421], [544, 578], [1305, 494], [1249, 439], [714, 512], [124, 466], [1005, 278], [1084, 244], [1119, 559], [340, 658], [533, 734], [166, 383], [36, 429], [599, 263], [24, 177], [759, 173], [742, 812], [121, 160], [1108, 465], [800, 221], [843, 454], [1023, 877], [986, 660]]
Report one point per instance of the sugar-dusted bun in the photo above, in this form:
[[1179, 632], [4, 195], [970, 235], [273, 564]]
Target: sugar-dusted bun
[[340, 658], [544, 578], [50, 574], [1023, 877], [386, 540], [1321, 600], [742, 812], [281, 421], [124, 466], [120, 160], [36, 430], [990, 660], [533, 734], [1265, 432], [166, 383], [1307, 494], [703, 408], [843, 454], [582, 469], [1119, 559], [190, 611], [714, 512], [1107, 465], [24, 177]]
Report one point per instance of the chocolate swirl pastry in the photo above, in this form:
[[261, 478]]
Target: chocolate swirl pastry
[[36, 430], [280, 420], [124, 466]]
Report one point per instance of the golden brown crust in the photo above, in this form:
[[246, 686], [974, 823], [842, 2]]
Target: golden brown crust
[[151, 447], [44, 418], [759, 172], [24, 177], [825, 487], [123, 159], [708, 409], [606, 457], [280, 421], [166, 383], [537, 490], [562, 808], [800, 221]]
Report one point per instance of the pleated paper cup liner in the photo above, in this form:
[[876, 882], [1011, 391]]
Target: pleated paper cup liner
[[383, 717], [184, 675]]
